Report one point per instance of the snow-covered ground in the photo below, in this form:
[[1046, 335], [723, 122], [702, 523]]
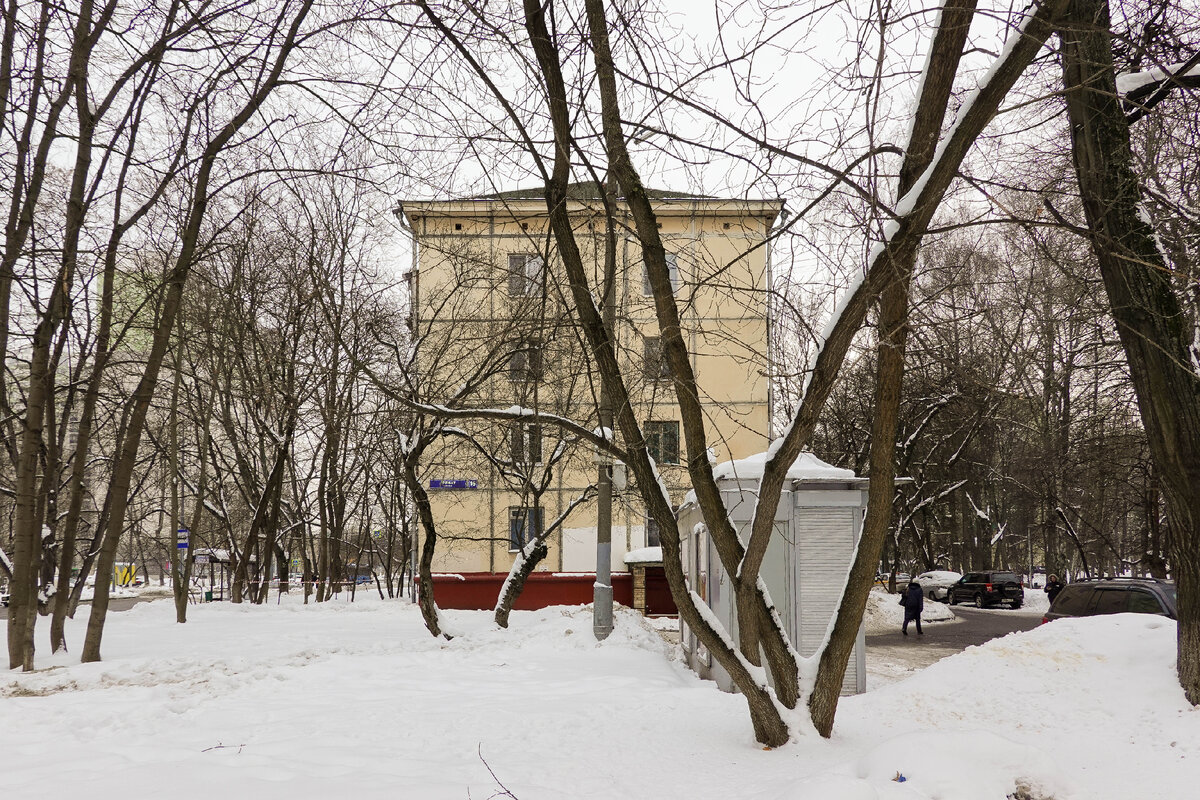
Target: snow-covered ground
[[294, 701]]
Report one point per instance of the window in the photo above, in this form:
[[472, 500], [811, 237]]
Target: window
[[657, 368], [526, 364], [524, 274], [524, 525], [1110, 601], [662, 440], [653, 537], [1073, 600], [526, 439], [672, 270], [1144, 603]]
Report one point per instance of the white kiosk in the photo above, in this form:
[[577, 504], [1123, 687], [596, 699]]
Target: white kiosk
[[817, 525]]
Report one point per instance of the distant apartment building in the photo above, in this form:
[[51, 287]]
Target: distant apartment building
[[491, 313]]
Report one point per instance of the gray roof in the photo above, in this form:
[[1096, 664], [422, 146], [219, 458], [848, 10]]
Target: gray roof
[[585, 190]]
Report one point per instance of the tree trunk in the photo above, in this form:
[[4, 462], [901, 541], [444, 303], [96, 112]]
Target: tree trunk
[[516, 583], [1154, 333], [942, 66], [766, 717], [179, 587], [27, 551], [429, 610]]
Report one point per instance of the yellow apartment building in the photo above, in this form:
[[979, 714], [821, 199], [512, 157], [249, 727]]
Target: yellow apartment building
[[492, 321]]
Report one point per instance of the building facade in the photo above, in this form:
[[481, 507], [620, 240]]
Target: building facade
[[491, 314]]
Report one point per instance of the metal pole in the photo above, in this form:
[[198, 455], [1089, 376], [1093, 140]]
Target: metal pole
[[1029, 542], [602, 592], [602, 596]]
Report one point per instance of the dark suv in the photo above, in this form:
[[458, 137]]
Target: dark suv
[[1114, 596], [987, 589]]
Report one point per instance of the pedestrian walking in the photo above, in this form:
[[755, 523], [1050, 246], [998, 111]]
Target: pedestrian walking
[[913, 601]]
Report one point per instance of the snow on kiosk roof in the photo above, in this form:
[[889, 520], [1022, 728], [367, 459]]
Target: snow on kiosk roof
[[807, 468]]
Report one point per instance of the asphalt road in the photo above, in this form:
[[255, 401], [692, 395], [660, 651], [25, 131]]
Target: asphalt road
[[114, 604], [973, 627]]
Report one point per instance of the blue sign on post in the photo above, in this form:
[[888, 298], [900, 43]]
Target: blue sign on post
[[181, 539], [454, 483]]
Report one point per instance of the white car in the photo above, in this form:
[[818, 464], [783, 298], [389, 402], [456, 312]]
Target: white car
[[936, 583]]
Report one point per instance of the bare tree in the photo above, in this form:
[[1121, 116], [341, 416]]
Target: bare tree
[[1155, 334], [761, 638], [271, 50]]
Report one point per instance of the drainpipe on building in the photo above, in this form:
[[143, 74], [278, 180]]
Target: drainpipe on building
[[772, 371]]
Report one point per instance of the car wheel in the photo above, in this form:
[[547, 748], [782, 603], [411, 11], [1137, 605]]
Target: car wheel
[[979, 601], [951, 599], [1016, 604]]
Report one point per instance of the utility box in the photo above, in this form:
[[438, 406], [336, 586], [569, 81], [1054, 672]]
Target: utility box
[[817, 525]]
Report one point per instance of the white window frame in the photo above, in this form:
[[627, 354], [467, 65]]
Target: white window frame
[[527, 515], [527, 363], [529, 433], [530, 267], [672, 270], [652, 352]]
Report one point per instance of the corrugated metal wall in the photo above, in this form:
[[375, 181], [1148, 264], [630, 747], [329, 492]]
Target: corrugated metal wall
[[825, 539]]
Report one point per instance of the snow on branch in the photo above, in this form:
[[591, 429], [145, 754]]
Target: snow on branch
[[983, 515], [1130, 82], [1142, 91], [522, 414]]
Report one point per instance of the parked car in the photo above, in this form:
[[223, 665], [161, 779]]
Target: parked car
[[902, 580], [988, 589], [936, 583], [1114, 596]]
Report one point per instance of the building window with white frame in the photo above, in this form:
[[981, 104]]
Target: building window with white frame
[[653, 534], [662, 441], [525, 364], [525, 272], [524, 525], [672, 270], [655, 359], [526, 440]]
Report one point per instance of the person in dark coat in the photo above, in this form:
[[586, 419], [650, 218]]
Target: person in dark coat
[[913, 601], [1053, 587]]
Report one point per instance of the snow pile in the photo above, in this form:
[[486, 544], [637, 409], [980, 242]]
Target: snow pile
[[1097, 696], [884, 614], [286, 701], [1036, 602]]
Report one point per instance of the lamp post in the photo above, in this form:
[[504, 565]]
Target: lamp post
[[602, 592]]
